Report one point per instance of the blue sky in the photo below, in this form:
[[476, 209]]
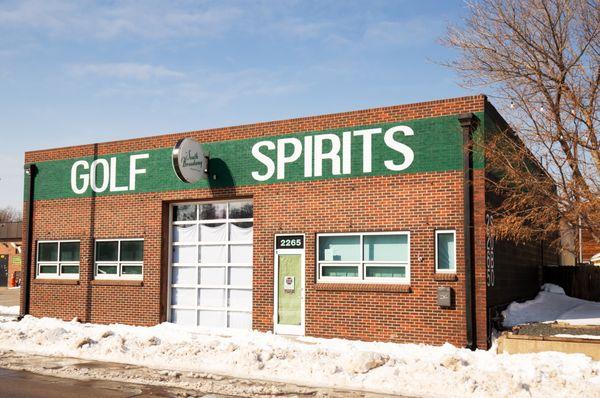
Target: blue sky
[[91, 71]]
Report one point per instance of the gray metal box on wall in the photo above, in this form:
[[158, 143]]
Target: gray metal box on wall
[[444, 296]]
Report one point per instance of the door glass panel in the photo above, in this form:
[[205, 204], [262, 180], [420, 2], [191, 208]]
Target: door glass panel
[[183, 296], [185, 233], [240, 254], [213, 254], [214, 319], [240, 320], [240, 232], [240, 299], [184, 254], [211, 298], [184, 212], [289, 301], [240, 276], [183, 317], [184, 275], [242, 209], [212, 276], [213, 232], [213, 211]]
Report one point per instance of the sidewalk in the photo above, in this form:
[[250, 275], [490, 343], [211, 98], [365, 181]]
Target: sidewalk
[[9, 297], [180, 384]]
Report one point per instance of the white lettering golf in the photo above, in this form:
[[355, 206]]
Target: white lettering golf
[[101, 174]]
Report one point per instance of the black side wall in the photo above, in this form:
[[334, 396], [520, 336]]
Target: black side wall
[[517, 267]]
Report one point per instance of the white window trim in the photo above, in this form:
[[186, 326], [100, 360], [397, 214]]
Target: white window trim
[[119, 264], [58, 264], [445, 271], [362, 264]]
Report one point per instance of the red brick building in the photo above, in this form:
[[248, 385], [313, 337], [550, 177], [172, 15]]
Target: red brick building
[[367, 225], [10, 253]]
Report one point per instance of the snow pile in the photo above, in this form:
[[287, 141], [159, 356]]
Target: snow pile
[[13, 310], [552, 304], [404, 369]]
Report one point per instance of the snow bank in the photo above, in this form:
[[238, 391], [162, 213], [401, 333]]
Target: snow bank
[[13, 310], [404, 369], [552, 304]]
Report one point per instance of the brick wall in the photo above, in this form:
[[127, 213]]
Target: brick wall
[[14, 257], [418, 203]]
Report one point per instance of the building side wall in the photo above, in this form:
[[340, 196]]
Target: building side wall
[[516, 273]]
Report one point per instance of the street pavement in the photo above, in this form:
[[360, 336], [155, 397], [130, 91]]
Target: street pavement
[[9, 297], [20, 384], [49, 377]]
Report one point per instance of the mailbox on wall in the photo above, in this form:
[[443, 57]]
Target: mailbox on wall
[[444, 296]]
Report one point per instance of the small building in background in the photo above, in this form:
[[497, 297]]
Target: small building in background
[[10, 253], [590, 249]]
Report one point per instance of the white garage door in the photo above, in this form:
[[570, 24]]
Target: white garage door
[[211, 264]]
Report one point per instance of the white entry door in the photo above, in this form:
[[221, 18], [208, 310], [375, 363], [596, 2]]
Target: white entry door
[[211, 264]]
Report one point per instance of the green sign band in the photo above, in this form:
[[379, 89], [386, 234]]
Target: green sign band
[[413, 146]]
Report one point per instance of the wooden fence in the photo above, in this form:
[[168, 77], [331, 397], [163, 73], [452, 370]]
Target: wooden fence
[[581, 281]]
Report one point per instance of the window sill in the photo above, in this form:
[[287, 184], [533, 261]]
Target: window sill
[[116, 282], [443, 277], [42, 281], [363, 287]]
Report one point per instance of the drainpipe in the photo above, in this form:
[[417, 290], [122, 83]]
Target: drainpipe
[[31, 171], [468, 123]]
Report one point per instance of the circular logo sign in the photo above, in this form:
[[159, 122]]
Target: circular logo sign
[[190, 162]]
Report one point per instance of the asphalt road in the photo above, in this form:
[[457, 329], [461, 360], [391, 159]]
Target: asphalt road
[[20, 384]]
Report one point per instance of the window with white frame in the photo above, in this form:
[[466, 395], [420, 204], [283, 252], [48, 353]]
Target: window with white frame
[[119, 259], [445, 251], [374, 257], [58, 259]]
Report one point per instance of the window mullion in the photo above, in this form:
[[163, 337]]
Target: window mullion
[[362, 259]]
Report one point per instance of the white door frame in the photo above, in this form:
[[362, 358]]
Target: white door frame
[[297, 330]]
